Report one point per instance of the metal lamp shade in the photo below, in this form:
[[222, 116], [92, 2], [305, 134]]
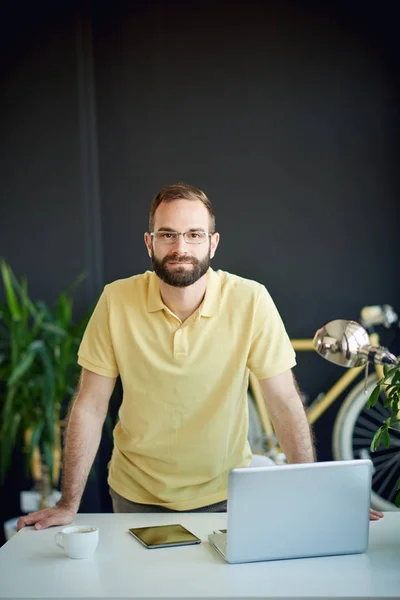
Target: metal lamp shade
[[340, 342]]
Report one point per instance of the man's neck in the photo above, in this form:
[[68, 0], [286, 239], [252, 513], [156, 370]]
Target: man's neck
[[183, 301]]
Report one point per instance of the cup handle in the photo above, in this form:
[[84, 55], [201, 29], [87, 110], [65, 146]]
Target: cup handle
[[59, 535]]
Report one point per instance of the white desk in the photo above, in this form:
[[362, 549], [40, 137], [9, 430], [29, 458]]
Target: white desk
[[32, 566]]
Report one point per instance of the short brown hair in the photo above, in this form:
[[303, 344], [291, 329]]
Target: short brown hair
[[181, 191]]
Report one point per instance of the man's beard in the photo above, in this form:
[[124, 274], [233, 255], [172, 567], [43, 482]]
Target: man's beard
[[180, 276]]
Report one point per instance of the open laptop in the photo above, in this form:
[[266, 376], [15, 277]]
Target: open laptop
[[296, 511]]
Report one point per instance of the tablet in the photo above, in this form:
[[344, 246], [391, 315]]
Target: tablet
[[164, 536]]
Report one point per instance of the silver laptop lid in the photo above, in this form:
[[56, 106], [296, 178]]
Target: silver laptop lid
[[293, 511]]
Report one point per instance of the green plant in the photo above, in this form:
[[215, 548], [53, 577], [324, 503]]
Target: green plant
[[38, 372], [389, 387]]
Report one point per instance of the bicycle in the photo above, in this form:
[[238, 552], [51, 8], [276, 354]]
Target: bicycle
[[354, 425]]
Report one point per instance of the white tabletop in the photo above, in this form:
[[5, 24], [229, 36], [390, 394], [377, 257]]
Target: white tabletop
[[32, 566]]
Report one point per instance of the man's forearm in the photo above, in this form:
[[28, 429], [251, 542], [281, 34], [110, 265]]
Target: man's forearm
[[294, 433], [82, 440]]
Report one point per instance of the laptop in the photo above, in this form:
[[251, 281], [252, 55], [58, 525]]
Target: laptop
[[296, 511]]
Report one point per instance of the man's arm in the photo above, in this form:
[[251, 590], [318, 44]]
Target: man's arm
[[82, 439], [286, 411]]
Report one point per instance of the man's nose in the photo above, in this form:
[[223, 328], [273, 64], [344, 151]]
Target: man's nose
[[180, 243]]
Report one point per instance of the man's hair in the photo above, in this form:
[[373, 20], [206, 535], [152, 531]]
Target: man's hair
[[180, 191]]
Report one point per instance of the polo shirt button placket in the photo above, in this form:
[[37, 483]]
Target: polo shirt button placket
[[179, 351]]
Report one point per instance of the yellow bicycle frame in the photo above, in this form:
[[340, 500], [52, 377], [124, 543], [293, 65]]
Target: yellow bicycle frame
[[320, 405]]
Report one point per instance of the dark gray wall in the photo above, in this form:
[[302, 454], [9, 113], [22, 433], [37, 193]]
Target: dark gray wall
[[288, 118], [50, 212], [285, 113], [41, 224]]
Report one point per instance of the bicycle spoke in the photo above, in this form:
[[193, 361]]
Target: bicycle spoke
[[396, 461], [368, 424], [363, 442], [379, 459], [395, 443], [366, 442], [362, 434], [367, 432], [379, 408], [364, 431], [383, 466]]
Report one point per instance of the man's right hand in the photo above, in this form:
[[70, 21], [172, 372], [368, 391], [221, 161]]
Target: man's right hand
[[48, 517]]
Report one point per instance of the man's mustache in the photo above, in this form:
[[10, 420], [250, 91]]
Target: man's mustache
[[177, 258]]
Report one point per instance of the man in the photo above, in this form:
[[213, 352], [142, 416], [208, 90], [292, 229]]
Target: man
[[183, 339]]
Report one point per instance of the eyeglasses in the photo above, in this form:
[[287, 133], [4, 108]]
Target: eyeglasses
[[190, 237]]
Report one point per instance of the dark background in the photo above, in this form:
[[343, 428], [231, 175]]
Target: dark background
[[285, 113]]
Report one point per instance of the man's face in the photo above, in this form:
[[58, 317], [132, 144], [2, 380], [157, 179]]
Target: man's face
[[181, 264]]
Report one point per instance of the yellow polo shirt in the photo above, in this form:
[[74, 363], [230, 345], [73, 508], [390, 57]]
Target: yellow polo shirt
[[183, 421]]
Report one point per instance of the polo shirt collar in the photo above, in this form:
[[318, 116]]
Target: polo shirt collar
[[154, 300], [208, 308], [212, 299]]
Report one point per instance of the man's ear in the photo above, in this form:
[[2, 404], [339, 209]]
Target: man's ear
[[214, 244], [149, 243]]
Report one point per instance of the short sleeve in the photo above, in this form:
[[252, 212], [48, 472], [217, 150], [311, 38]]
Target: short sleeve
[[96, 352], [271, 351]]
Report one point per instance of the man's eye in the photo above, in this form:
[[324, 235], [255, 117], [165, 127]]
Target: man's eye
[[166, 236], [195, 235]]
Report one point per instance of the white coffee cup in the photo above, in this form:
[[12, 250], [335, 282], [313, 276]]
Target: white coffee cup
[[79, 541]]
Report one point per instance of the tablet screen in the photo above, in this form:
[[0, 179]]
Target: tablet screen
[[164, 535]]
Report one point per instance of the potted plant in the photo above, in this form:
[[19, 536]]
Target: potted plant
[[38, 377], [389, 387]]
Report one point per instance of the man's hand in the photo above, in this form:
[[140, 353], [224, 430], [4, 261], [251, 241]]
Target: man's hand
[[375, 515], [48, 517]]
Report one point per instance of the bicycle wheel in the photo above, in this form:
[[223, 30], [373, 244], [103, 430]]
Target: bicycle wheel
[[353, 431]]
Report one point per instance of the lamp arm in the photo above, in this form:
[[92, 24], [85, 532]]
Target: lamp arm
[[378, 355]]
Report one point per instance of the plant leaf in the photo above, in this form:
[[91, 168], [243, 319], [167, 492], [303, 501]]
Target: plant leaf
[[396, 376], [75, 284], [386, 438], [64, 312], [373, 399], [22, 290], [23, 366], [7, 445], [10, 293], [387, 401], [376, 440], [395, 411], [4, 373], [48, 457], [55, 329], [390, 371], [48, 392], [35, 439]]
